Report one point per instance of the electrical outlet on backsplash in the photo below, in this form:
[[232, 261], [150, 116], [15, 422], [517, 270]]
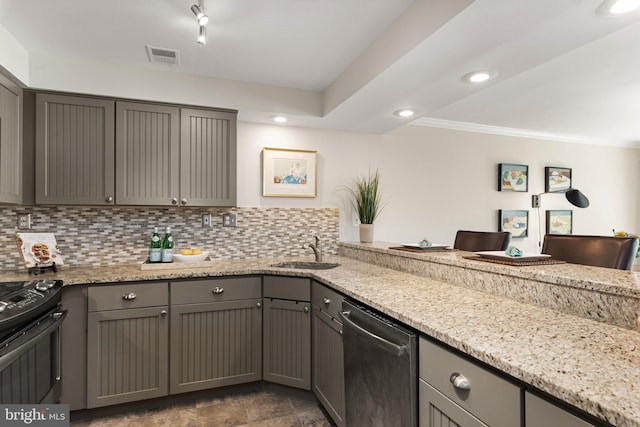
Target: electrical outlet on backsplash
[[88, 237]]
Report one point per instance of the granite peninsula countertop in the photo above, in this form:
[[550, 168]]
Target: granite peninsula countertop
[[587, 363]]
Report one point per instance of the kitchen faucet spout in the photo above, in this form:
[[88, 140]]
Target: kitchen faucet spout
[[317, 248]]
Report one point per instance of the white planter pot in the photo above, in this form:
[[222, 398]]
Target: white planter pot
[[366, 233]]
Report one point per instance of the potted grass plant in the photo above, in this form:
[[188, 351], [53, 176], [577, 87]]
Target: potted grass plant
[[367, 202]]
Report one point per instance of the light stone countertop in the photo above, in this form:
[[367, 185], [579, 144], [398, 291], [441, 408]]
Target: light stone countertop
[[586, 363]]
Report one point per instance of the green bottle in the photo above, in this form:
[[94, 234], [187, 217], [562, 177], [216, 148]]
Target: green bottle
[[155, 248], [167, 246]]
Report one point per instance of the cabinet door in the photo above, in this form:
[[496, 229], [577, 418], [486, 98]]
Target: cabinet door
[[147, 154], [328, 364], [10, 144], [287, 343], [127, 355], [207, 158], [540, 413], [215, 344], [74, 150], [436, 410]]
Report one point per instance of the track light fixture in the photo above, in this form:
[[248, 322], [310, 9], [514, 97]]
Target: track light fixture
[[198, 11], [202, 35]]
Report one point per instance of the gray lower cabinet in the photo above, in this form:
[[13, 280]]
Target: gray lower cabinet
[[74, 150], [454, 391], [10, 142], [127, 343], [73, 349], [327, 352], [286, 357], [541, 413], [216, 333]]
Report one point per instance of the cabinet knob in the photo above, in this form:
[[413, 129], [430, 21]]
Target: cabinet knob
[[258, 305], [109, 199], [183, 202], [129, 297], [163, 313], [460, 381], [326, 300], [217, 290], [306, 309], [174, 201]]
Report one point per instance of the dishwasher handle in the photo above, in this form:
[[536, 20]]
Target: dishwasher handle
[[387, 345]]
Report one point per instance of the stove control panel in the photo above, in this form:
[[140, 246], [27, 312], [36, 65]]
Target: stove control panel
[[17, 299]]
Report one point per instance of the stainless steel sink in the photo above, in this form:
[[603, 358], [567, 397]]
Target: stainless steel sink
[[307, 265]]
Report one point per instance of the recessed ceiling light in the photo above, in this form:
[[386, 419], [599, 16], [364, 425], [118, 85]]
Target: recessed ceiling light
[[479, 76], [279, 119], [617, 7], [404, 113]]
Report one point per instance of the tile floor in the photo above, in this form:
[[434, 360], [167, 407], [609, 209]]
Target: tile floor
[[262, 407]]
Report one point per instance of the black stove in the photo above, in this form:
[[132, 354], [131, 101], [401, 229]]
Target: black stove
[[21, 302]]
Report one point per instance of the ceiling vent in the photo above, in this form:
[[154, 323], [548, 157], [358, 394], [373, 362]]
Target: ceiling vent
[[166, 56]]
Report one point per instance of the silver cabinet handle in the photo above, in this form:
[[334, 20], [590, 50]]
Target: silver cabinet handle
[[306, 309], [183, 202], [109, 199], [217, 290], [258, 305], [163, 313], [129, 297], [174, 201], [326, 300], [460, 381]]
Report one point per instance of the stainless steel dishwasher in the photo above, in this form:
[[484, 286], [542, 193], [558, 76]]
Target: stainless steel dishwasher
[[380, 360]]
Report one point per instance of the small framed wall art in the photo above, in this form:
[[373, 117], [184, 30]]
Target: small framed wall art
[[557, 179], [560, 222], [513, 177], [289, 173], [514, 221]]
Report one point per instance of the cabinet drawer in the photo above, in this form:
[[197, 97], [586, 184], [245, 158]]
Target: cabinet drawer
[[540, 413], [436, 410], [490, 398], [291, 288], [112, 297], [215, 290], [326, 299]]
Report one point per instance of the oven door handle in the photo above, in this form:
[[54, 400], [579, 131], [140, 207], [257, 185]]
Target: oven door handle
[[380, 341], [52, 322]]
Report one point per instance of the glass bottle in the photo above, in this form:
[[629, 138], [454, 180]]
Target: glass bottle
[[167, 246], [155, 248]]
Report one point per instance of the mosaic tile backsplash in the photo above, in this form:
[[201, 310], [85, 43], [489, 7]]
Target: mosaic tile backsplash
[[109, 236]]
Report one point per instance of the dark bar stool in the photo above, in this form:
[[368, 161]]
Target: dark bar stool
[[474, 241], [599, 251]]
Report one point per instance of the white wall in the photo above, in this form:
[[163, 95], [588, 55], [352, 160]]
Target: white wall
[[438, 181]]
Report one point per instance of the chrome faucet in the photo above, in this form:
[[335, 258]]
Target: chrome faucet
[[317, 248]]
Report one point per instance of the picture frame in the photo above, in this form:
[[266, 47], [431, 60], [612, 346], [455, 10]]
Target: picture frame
[[514, 221], [557, 179], [513, 177], [289, 172], [559, 222]]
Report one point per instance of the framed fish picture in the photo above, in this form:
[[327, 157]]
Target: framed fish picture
[[289, 173]]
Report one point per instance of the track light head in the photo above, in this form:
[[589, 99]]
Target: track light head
[[202, 35], [200, 16]]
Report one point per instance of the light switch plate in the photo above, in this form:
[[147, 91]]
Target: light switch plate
[[206, 220]]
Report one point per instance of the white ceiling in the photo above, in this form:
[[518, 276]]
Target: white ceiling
[[563, 71]]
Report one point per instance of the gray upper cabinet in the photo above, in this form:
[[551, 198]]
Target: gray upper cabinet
[[207, 158], [74, 150], [10, 143], [147, 154]]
